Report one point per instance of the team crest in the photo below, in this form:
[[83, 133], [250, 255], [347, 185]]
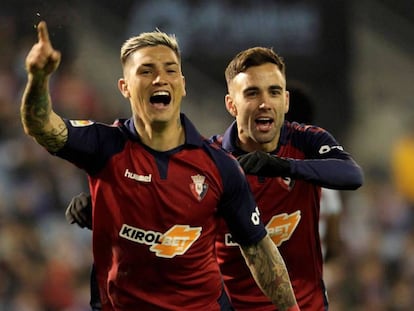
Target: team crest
[[198, 187]]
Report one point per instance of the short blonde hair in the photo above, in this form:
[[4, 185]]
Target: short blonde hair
[[147, 39]]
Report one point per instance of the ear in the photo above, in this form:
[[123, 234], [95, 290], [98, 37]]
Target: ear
[[287, 102], [184, 90], [230, 106], [123, 87]]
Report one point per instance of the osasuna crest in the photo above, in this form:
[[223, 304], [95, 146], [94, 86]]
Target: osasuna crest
[[198, 187]]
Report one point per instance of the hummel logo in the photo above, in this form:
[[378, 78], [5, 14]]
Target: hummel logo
[[137, 177]]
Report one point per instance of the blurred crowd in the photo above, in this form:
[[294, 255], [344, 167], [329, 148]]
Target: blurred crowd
[[45, 262]]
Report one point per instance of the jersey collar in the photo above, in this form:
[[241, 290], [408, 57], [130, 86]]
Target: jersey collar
[[229, 142], [192, 136]]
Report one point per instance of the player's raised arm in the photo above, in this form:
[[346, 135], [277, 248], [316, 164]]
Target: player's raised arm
[[37, 115], [269, 270]]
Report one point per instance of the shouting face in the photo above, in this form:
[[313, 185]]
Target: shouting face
[[154, 84], [258, 100]]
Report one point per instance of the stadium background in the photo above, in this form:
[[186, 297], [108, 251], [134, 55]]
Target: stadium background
[[356, 57]]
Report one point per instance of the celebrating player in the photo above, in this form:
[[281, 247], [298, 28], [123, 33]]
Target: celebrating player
[[287, 164], [158, 188]]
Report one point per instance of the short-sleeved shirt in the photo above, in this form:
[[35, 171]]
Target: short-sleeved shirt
[[156, 215]]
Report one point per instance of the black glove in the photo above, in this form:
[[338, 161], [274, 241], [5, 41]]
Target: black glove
[[264, 164], [79, 211]]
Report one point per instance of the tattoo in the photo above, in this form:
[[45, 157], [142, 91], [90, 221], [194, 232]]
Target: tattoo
[[54, 139], [270, 273], [35, 116], [39, 121]]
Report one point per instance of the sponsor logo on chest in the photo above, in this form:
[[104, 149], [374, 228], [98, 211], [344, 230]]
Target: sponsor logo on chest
[[280, 228], [176, 241]]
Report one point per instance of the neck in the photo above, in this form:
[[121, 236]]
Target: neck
[[250, 145], [161, 136]]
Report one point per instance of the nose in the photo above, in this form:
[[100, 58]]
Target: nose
[[159, 78], [264, 105]]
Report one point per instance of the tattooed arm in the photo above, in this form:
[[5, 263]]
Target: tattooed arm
[[270, 273], [38, 118]]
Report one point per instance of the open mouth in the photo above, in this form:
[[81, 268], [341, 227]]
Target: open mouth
[[264, 124], [160, 97], [264, 121]]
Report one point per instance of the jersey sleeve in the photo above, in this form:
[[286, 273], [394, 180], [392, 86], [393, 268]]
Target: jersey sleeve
[[238, 206], [326, 163], [88, 144]]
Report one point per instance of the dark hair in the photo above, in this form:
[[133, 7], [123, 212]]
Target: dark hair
[[301, 105], [255, 56]]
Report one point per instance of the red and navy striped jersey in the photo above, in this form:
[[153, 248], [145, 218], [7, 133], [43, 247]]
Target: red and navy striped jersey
[[290, 209], [156, 215]]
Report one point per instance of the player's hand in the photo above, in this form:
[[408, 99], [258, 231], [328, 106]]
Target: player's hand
[[79, 211], [42, 59], [264, 164]]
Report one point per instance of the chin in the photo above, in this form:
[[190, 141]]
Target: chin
[[264, 139]]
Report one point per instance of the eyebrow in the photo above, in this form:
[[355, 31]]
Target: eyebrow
[[276, 87], [250, 88], [153, 64], [255, 88]]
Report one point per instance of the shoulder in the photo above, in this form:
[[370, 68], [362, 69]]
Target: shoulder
[[224, 160], [88, 138], [306, 134], [304, 129], [217, 152]]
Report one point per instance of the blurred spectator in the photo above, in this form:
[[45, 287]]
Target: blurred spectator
[[36, 272], [74, 96], [402, 163]]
